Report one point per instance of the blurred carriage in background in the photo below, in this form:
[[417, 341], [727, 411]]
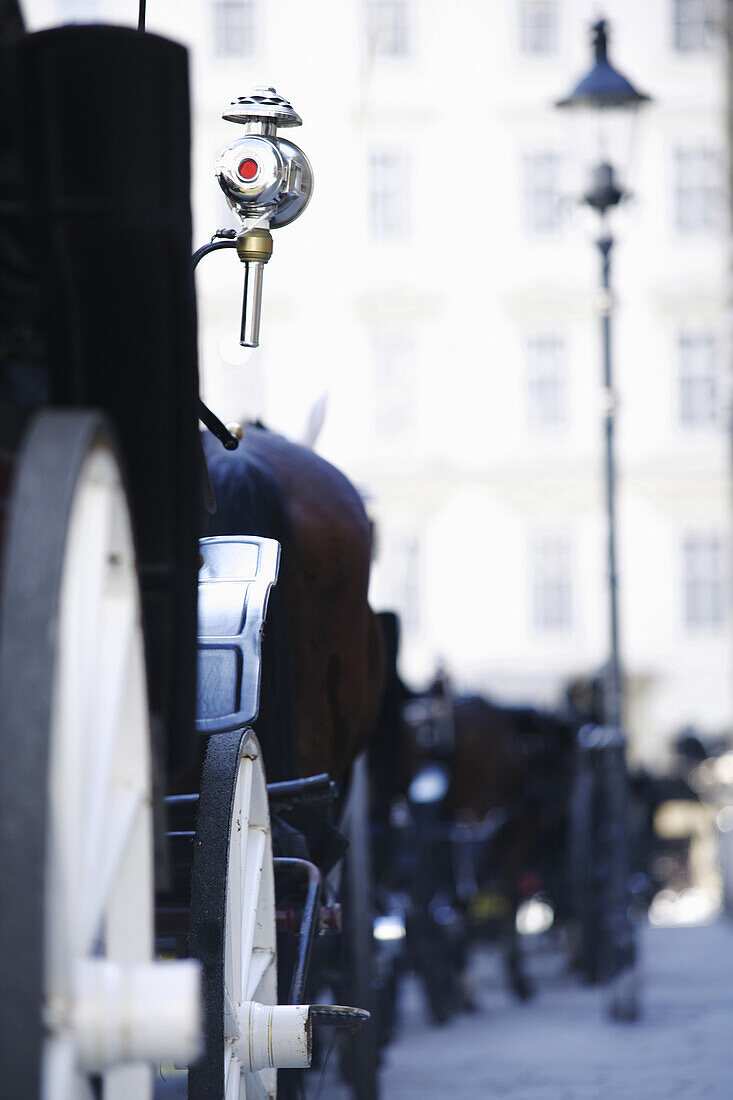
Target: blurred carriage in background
[[490, 824]]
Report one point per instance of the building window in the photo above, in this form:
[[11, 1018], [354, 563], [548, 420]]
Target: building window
[[541, 192], [235, 28], [538, 27], [697, 379], [690, 25], [703, 581], [551, 583], [546, 397], [697, 175], [393, 358], [389, 193], [389, 27]]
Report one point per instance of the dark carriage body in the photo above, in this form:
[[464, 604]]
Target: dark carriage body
[[97, 301]]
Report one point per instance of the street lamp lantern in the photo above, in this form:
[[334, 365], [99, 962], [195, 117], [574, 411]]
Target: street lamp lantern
[[604, 87], [604, 104]]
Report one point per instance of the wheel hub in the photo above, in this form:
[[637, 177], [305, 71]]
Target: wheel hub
[[273, 1036]]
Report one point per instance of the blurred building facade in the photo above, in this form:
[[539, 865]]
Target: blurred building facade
[[441, 289]]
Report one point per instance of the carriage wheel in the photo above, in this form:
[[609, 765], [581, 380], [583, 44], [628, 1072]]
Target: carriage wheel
[[82, 1004], [248, 1036]]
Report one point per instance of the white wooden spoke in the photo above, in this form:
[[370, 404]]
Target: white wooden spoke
[[255, 1087], [87, 590], [249, 948], [259, 965], [268, 1080], [254, 860], [122, 812], [100, 814], [61, 1076], [233, 1081], [117, 653], [236, 877], [231, 1028], [244, 790], [128, 941], [243, 854]]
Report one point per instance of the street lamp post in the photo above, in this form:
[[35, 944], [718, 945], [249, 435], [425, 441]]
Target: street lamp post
[[599, 95]]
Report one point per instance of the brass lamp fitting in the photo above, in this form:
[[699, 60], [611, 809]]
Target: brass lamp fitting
[[255, 245]]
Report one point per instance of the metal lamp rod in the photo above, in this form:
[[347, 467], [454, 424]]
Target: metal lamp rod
[[612, 694]]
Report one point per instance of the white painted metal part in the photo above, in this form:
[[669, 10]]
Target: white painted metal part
[[132, 1013], [260, 1035], [274, 1036], [109, 1008]]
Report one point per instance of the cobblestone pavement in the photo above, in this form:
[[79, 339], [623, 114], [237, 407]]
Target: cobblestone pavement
[[561, 1046]]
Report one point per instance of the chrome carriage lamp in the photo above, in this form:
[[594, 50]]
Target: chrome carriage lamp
[[268, 182]]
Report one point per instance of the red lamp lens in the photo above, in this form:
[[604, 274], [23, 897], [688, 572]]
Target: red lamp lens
[[248, 169]]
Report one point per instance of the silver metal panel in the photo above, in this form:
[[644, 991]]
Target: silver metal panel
[[236, 575]]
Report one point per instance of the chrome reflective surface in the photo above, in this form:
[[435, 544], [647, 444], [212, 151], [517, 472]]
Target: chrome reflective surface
[[263, 104], [235, 578], [299, 188], [249, 336], [248, 196], [283, 183], [268, 182]]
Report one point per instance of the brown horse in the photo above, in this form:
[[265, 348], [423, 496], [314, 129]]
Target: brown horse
[[322, 652]]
